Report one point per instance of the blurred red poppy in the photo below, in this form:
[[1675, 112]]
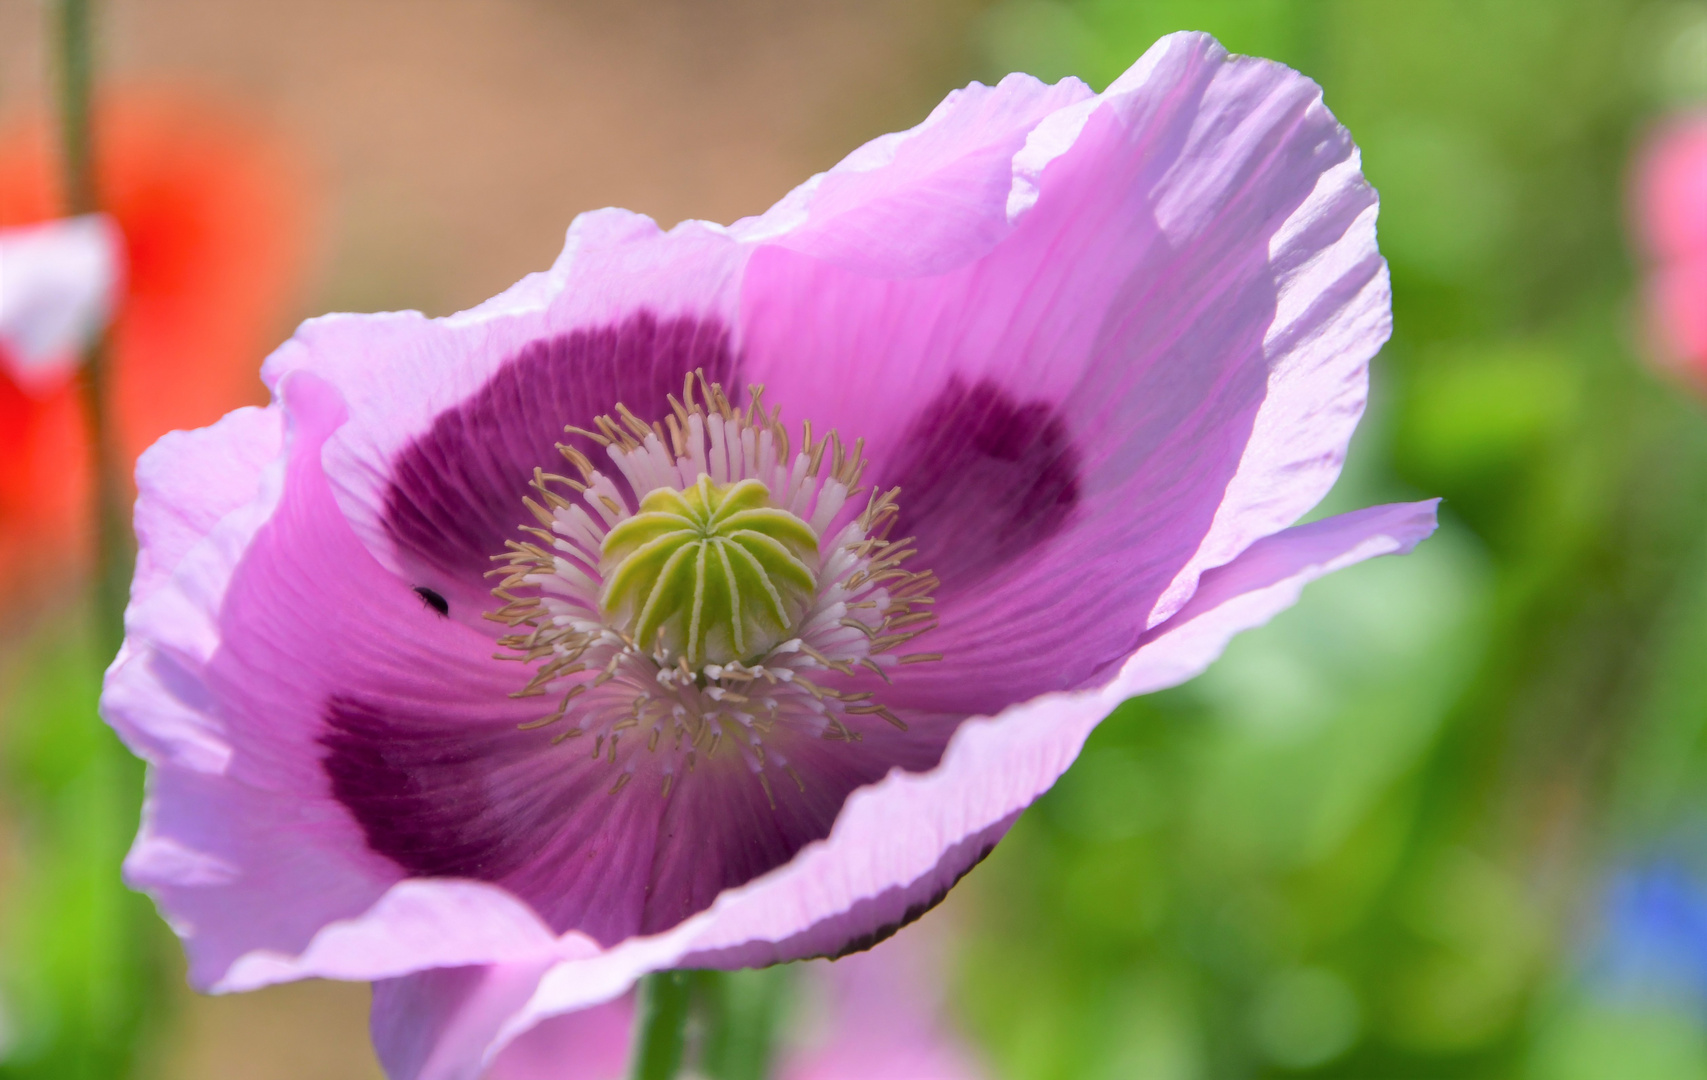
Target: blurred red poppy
[[216, 215]]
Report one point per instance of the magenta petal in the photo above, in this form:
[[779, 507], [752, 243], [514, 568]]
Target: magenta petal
[[1676, 311], [188, 483], [1671, 189], [1160, 363], [740, 833], [350, 737]]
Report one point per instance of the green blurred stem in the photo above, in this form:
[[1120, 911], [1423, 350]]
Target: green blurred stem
[[74, 41], [112, 526], [661, 1028], [76, 66], [741, 1012]]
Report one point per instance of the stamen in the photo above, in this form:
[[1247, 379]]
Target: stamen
[[743, 566]]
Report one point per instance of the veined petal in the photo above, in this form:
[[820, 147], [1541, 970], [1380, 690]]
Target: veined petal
[[243, 842], [1162, 362], [948, 179]]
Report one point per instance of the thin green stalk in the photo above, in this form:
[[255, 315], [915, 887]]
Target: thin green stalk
[[742, 1012], [76, 71], [75, 47], [660, 1031], [113, 551]]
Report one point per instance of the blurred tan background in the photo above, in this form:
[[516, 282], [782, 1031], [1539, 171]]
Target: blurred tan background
[[459, 137]]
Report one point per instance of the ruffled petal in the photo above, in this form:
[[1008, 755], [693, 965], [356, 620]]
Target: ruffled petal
[[200, 829], [187, 485], [948, 178], [1161, 362], [202, 496], [190, 480]]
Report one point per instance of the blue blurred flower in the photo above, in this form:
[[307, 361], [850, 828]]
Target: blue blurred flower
[[1653, 942]]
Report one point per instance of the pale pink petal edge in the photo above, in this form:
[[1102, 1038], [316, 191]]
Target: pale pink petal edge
[[1333, 309], [201, 495]]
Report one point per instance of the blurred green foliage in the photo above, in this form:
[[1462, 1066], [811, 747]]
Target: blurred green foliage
[[78, 952], [1370, 841]]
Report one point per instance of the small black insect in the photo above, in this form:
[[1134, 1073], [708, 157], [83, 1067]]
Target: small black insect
[[433, 600]]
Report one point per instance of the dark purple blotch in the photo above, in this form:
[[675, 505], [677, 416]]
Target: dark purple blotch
[[418, 788], [456, 492], [984, 478]]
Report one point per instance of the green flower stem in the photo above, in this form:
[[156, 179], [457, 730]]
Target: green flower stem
[[742, 1011], [74, 39], [113, 550], [76, 67], [660, 1031]]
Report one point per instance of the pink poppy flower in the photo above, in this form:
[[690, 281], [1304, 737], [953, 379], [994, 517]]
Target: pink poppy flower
[[1094, 354], [880, 1013], [1671, 211]]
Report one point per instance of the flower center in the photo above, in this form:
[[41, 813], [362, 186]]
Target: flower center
[[714, 573], [734, 588]]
